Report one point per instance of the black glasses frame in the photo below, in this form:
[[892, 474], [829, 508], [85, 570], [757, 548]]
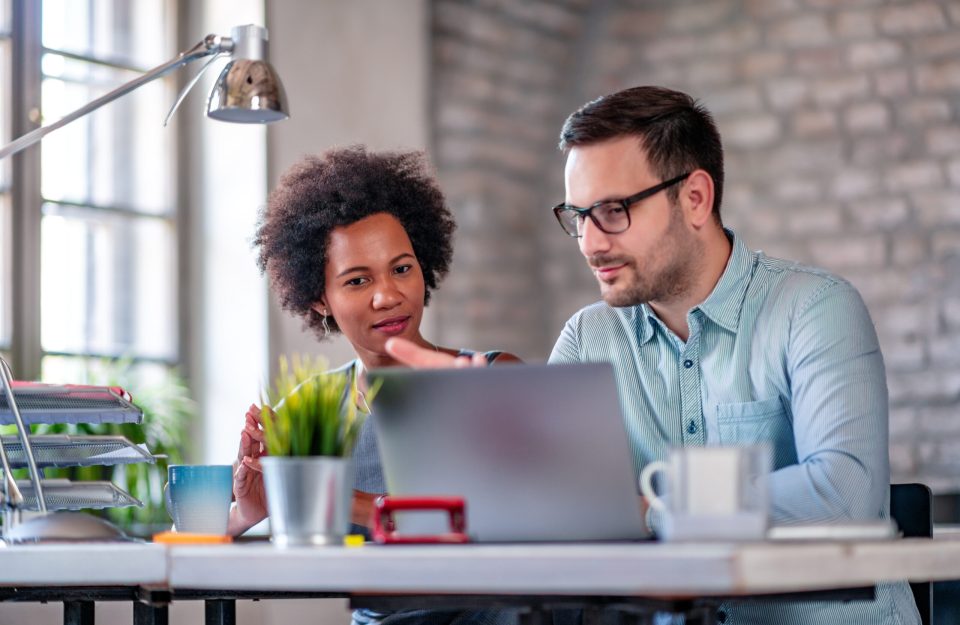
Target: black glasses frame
[[626, 202]]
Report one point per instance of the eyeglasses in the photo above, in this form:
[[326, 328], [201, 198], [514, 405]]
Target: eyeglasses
[[611, 216]]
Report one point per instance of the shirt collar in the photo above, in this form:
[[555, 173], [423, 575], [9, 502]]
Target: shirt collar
[[724, 303]]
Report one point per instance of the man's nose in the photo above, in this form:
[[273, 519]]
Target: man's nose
[[593, 240]]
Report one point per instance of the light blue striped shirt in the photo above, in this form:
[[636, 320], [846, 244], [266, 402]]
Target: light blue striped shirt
[[778, 353]]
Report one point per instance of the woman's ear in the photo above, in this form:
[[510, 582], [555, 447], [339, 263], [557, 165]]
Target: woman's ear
[[320, 307], [696, 197]]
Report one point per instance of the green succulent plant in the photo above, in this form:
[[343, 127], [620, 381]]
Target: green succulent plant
[[311, 411]]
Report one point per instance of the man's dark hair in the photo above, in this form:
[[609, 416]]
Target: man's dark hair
[[677, 133], [338, 188]]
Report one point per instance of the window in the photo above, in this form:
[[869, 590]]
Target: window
[[5, 240], [106, 203]]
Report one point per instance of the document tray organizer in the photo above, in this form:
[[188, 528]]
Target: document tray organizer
[[45, 403], [67, 495], [61, 450]]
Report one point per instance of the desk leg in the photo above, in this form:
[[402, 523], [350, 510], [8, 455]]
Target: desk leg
[[78, 613], [220, 612], [147, 614]]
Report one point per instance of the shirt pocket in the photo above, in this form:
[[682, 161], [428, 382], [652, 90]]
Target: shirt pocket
[[764, 421]]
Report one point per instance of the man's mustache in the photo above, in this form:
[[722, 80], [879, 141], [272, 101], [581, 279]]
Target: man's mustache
[[600, 260]]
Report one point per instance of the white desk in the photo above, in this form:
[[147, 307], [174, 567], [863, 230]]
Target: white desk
[[650, 569]]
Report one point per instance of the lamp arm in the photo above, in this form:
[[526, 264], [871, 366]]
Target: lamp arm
[[210, 45]]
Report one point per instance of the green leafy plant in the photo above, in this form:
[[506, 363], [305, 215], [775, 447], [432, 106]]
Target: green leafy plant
[[314, 411]]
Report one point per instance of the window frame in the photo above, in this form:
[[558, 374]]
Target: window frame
[[27, 202]]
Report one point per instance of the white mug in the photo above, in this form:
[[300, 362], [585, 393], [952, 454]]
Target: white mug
[[711, 493]]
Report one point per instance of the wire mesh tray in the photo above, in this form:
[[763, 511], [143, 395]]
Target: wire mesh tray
[[47, 403], [68, 495], [61, 450]]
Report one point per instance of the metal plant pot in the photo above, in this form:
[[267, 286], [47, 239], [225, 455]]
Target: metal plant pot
[[308, 499]]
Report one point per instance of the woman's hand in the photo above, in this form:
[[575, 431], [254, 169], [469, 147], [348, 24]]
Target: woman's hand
[[248, 489], [412, 355], [362, 510]]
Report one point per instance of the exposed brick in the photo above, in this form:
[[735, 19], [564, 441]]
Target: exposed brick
[[751, 132], [742, 99], [854, 183], [707, 72], [762, 63], [950, 313], [892, 83], [835, 4], [912, 18], [923, 111], [868, 117], [937, 208], [925, 386], [787, 93], [953, 171], [945, 46], [672, 49], [890, 146], [700, 16], [938, 77], [833, 91], [803, 156], [945, 351], [909, 249], [903, 420], [540, 14], [904, 320], [902, 458], [882, 286], [945, 244], [851, 24], [803, 31], [634, 23], [796, 190], [880, 213], [814, 123], [849, 251], [819, 61], [954, 10], [944, 140], [769, 8], [877, 53], [910, 176], [819, 219]]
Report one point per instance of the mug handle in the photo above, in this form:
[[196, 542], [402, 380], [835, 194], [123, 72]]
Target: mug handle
[[167, 501], [646, 484]]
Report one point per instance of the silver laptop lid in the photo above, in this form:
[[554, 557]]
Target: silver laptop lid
[[539, 452]]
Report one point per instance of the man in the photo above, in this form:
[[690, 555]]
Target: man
[[713, 344]]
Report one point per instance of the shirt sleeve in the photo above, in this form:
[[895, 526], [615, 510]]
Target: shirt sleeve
[[567, 347], [839, 408]]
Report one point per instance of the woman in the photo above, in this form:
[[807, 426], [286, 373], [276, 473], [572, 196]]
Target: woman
[[354, 242]]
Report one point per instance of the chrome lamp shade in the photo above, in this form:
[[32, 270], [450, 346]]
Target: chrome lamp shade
[[248, 92]]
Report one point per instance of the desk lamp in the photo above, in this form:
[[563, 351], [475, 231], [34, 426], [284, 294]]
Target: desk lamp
[[248, 91]]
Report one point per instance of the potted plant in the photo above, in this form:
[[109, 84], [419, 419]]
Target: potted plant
[[310, 425]]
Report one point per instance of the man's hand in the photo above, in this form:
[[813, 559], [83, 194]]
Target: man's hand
[[412, 355]]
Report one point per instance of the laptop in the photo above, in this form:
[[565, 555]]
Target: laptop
[[538, 452]]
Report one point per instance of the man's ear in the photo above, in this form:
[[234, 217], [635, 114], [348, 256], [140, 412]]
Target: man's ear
[[696, 198]]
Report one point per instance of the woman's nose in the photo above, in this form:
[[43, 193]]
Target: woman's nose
[[386, 296]]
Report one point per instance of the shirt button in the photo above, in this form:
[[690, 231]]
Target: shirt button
[[688, 363], [692, 428], [721, 617]]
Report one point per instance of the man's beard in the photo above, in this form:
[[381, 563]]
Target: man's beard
[[681, 253]]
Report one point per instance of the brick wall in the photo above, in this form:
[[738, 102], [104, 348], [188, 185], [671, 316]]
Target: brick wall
[[840, 121]]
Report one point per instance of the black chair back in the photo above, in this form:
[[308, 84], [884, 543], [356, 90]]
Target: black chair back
[[911, 506]]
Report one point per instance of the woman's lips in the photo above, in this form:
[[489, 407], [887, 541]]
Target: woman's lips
[[394, 325]]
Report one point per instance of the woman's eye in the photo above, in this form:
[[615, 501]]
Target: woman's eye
[[403, 268], [355, 281]]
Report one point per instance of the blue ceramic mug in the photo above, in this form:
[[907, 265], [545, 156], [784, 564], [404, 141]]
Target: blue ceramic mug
[[198, 497]]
